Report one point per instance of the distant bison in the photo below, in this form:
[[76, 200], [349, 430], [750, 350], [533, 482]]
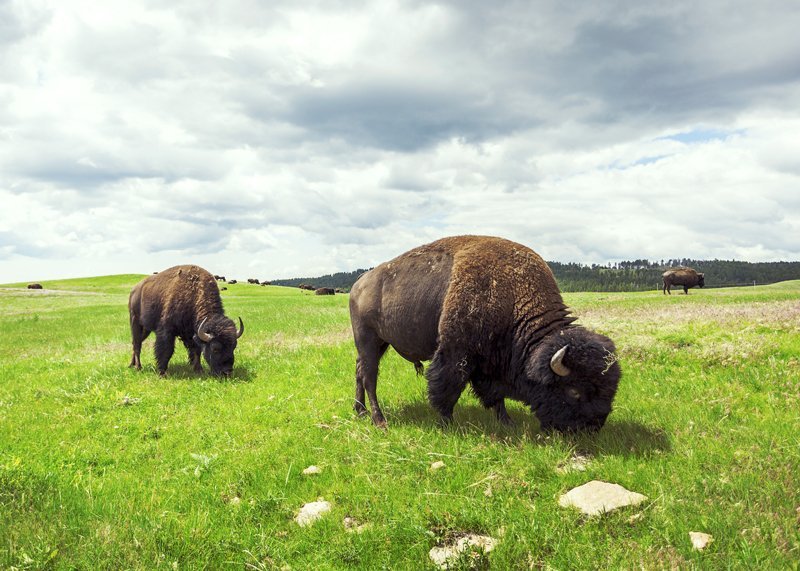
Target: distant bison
[[183, 302], [219, 278], [324, 291], [307, 287], [252, 281], [686, 277], [486, 312], [233, 282], [34, 286]]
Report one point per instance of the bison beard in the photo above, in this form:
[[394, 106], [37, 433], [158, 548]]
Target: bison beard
[[183, 302], [487, 313]]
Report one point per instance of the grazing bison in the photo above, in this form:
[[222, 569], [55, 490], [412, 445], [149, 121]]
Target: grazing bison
[[485, 311], [686, 277], [307, 287], [233, 282], [219, 278], [183, 302], [252, 281], [324, 291], [34, 286]]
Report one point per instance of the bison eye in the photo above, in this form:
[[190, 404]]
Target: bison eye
[[573, 393]]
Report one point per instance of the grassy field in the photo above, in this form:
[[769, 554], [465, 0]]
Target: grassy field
[[103, 467]]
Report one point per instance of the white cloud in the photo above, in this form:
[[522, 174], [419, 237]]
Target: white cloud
[[296, 139]]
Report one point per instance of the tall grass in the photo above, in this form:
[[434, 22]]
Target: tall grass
[[103, 467]]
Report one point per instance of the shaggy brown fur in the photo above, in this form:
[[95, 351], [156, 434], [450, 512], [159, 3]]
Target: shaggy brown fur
[[686, 277], [174, 303], [324, 291], [488, 312]]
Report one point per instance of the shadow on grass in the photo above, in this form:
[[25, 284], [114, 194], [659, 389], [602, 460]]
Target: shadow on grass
[[184, 371], [616, 438]]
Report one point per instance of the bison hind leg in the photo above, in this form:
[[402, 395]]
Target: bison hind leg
[[369, 356]]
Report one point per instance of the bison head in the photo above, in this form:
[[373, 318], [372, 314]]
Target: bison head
[[217, 337], [574, 374]]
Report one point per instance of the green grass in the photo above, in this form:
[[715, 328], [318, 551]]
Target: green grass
[[206, 473]]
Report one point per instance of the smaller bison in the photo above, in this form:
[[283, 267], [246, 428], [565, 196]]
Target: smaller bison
[[34, 286], [252, 281], [324, 291], [233, 282], [219, 278], [184, 302], [686, 277]]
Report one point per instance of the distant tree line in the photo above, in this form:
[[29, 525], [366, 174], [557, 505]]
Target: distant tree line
[[642, 275], [341, 280], [636, 275]]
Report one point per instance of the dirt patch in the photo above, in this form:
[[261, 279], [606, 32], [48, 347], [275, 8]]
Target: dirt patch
[[286, 342], [777, 314]]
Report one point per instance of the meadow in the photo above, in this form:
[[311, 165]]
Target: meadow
[[104, 467]]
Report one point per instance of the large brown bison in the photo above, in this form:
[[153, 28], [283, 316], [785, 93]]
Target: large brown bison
[[485, 311], [686, 277], [183, 302], [34, 286], [324, 291]]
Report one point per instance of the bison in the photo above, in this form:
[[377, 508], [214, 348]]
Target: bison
[[233, 282], [686, 277], [324, 291], [487, 312], [183, 302], [34, 286], [252, 281], [219, 278]]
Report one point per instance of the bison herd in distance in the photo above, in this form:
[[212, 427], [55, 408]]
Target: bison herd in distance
[[482, 311]]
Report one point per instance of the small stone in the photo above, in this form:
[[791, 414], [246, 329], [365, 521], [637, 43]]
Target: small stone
[[312, 470], [443, 556], [576, 463], [700, 540], [635, 517], [352, 525], [311, 512], [437, 465], [235, 501], [598, 497], [128, 400]]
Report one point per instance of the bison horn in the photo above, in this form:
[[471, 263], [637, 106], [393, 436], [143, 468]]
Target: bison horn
[[556, 364], [241, 328], [202, 334]]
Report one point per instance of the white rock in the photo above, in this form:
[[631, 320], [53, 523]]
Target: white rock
[[312, 470], [311, 512], [700, 540], [443, 556], [437, 465], [598, 497]]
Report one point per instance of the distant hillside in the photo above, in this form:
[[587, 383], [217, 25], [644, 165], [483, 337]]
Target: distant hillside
[[637, 275]]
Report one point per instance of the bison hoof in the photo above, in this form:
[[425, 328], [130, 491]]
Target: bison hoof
[[379, 422], [360, 409]]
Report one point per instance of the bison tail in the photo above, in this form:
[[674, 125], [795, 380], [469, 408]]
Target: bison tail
[[419, 368]]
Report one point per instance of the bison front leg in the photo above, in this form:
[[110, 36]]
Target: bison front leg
[[685, 290], [164, 347], [194, 355], [447, 376]]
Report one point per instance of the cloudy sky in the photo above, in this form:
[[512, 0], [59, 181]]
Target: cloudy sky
[[281, 139]]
